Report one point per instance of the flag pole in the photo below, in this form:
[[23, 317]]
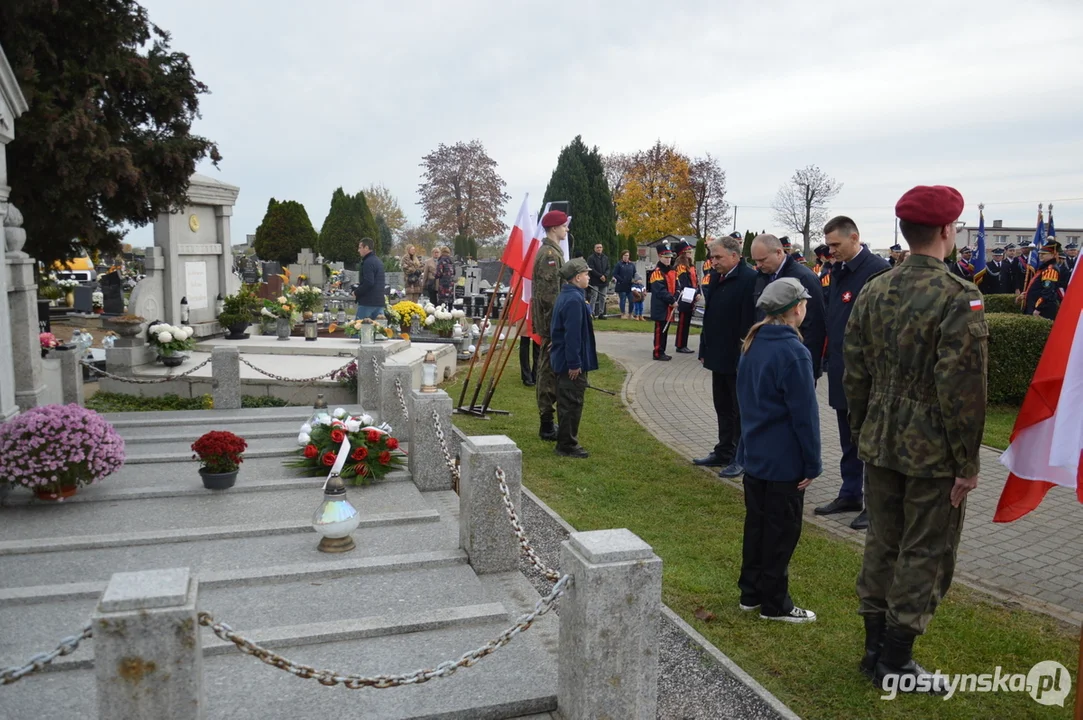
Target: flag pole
[[477, 349], [500, 372], [493, 344]]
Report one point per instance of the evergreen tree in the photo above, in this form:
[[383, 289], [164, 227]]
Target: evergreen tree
[[701, 251], [749, 237], [284, 231], [631, 246], [384, 235], [473, 248], [368, 222], [580, 179], [342, 230]]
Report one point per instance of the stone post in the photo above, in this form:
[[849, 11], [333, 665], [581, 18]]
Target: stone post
[[71, 375], [368, 390], [426, 459], [484, 530], [226, 377], [22, 302], [609, 615], [391, 407], [148, 655]]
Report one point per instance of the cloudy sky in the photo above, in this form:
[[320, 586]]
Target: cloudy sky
[[984, 96]]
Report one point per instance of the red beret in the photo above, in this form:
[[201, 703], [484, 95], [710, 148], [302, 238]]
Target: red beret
[[554, 218], [934, 205]]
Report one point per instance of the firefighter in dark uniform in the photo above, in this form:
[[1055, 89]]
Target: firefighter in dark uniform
[[1071, 256], [963, 267], [686, 278], [663, 289], [998, 275], [896, 255], [824, 253], [1023, 270], [1047, 285], [546, 287]]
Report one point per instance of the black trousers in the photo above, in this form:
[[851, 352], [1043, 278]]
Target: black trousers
[[724, 392], [661, 338], [772, 529], [528, 359], [684, 323], [570, 395]]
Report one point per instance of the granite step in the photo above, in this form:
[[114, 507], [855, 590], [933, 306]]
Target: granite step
[[180, 449], [178, 418], [134, 437], [50, 524]]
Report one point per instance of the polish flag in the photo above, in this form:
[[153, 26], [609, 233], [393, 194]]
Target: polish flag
[[519, 256], [515, 250], [1047, 440]]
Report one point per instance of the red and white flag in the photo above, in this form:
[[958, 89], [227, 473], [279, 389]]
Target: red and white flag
[[519, 256], [1047, 440]]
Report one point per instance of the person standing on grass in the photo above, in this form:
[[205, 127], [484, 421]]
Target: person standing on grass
[[598, 263], [622, 283], [779, 448], [573, 354]]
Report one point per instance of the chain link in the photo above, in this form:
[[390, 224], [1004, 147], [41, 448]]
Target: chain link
[[356, 682], [134, 381], [524, 544], [280, 378], [376, 369], [443, 446], [66, 647], [402, 400]]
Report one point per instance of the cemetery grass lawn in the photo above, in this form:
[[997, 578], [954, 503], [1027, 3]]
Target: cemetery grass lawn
[[615, 324], [694, 522], [999, 421]]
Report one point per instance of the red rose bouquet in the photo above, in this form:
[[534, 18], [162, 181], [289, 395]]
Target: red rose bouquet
[[371, 453]]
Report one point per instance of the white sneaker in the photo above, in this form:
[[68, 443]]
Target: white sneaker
[[746, 608], [797, 615]]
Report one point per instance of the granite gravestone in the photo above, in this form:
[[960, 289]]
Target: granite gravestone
[[112, 294], [84, 299]]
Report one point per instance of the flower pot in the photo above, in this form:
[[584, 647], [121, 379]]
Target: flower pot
[[123, 328], [55, 494], [237, 332], [444, 333], [283, 327], [218, 481], [171, 360], [69, 298]]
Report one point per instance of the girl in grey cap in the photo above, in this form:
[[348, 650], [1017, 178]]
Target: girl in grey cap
[[779, 448]]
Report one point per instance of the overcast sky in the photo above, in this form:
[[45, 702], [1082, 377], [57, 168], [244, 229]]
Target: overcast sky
[[984, 96]]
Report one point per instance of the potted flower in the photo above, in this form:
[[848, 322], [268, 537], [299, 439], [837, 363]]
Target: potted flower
[[53, 449], [236, 315], [281, 309], [308, 299], [169, 341], [97, 300], [441, 321], [409, 312], [365, 329], [48, 342], [68, 288], [220, 454]]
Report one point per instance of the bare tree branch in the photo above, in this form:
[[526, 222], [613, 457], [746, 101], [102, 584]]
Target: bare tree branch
[[461, 192], [801, 204], [708, 183]]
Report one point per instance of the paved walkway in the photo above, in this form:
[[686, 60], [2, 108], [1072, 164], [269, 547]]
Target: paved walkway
[[1036, 560]]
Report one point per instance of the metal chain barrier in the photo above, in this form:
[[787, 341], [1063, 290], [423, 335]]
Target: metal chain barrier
[[451, 466], [402, 400], [66, 647], [134, 381], [356, 682], [280, 378], [376, 369], [524, 544]]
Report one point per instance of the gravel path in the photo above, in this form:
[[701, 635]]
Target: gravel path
[[692, 684]]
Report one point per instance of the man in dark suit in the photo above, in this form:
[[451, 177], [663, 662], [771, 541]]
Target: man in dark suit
[[729, 313], [773, 263], [998, 277], [854, 265]]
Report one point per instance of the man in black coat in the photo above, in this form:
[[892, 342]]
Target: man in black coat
[[729, 313], [773, 263], [598, 263], [999, 277], [854, 265]]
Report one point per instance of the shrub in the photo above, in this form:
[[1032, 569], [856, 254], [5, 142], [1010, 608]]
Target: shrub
[[121, 402], [1016, 342], [1001, 303]]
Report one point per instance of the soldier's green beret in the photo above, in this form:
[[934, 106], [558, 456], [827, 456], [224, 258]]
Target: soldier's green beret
[[573, 267]]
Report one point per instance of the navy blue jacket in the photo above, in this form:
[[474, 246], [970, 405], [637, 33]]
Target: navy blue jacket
[[572, 333], [780, 419], [662, 300], [370, 283], [847, 279], [729, 313], [814, 328], [622, 276]]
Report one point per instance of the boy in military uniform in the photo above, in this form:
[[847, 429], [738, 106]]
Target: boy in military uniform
[[917, 336], [546, 287], [663, 287], [573, 354], [1047, 285]]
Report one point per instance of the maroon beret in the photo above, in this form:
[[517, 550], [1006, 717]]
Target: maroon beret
[[554, 218], [934, 205]]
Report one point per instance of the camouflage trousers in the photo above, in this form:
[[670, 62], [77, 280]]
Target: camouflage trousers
[[545, 383], [910, 547]]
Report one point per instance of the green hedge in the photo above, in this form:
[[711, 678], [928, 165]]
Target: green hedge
[[1016, 342], [1002, 303], [105, 402]]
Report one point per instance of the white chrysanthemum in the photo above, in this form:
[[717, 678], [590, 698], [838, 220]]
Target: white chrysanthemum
[[165, 336], [430, 309], [430, 319], [190, 331], [306, 428], [458, 314], [303, 439], [282, 299], [340, 412]]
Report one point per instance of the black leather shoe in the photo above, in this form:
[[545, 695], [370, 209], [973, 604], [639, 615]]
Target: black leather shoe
[[663, 357], [548, 431], [528, 382], [685, 350], [839, 505], [576, 452], [861, 522], [711, 460], [732, 470]]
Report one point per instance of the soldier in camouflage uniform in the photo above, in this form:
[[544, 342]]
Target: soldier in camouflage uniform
[[915, 357], [544, 291]]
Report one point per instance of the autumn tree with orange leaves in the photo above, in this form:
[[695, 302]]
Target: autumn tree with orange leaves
[[655, 196]]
